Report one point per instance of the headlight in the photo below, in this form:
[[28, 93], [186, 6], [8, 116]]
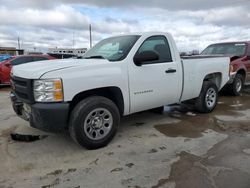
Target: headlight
[[48, 90]]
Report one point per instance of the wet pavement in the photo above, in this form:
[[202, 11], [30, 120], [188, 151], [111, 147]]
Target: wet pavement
[[178, 148], [231, 115]]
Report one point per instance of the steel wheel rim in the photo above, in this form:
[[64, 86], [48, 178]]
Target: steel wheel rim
[[238, 85], [98, 124], [211, 97]]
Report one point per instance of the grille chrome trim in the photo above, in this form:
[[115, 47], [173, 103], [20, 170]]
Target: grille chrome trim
[[22, 88]]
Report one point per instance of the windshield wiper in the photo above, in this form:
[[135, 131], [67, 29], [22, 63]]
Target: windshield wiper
[[94, 57]]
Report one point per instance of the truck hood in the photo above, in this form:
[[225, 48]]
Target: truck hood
[[35, 70]]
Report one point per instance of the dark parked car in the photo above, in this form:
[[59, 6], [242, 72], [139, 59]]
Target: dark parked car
[[239, 53], [6, 65]]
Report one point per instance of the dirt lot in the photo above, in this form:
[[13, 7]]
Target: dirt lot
[[177, 149]]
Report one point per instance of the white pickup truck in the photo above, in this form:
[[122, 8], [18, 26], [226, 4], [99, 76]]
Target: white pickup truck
[[119, 76]]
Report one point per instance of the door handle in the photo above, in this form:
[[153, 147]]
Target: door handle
[[170, 71]]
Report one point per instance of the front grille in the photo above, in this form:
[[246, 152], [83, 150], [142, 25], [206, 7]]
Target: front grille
[[22, 88]]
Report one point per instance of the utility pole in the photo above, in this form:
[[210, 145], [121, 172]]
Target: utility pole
[[90, 36], [18, 42]]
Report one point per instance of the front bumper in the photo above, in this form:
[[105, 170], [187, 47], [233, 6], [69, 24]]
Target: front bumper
[[50, 117]]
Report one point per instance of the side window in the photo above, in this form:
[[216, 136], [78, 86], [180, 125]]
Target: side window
[[160, 45], [39, 58], [21, 60]]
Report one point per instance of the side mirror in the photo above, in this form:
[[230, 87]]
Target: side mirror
[[145, 57]]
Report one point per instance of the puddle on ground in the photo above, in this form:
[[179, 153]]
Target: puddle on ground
[[192, 126], [219, 167], [193, 171]]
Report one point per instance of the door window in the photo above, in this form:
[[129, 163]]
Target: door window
[[158, 44]]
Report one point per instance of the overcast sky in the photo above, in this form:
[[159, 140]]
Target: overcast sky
[[194, 24]]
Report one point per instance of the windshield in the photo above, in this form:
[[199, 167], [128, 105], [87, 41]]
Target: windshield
[[236, 49], [112, 49]]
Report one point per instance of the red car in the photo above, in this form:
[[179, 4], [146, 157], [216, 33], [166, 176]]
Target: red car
[[239, 53], [5, 66]]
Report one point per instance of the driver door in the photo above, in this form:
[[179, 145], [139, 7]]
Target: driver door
[[155, 83]]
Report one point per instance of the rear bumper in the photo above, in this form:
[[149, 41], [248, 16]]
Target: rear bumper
[[50, 117], [4, 82]]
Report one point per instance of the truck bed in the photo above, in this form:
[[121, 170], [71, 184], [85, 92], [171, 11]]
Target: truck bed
[[201, 56], [195, 69]]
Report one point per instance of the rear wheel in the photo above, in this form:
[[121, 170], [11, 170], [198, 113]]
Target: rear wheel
[[208, 98], [94, 122], [236, 87]]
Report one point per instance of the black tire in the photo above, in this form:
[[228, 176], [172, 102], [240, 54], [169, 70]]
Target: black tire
[[203, 104], [78, 122], [234, 89]]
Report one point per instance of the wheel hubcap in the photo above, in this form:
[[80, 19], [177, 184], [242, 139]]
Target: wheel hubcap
[[98, 123], [211, 97]]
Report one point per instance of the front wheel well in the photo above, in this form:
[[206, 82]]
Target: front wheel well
[[112, 93]]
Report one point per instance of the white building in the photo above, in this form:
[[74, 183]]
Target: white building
[[66, 52]]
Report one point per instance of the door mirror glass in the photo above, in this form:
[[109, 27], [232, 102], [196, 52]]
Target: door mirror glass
[[145, 57]]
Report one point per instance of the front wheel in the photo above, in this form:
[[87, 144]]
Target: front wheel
[[208, 98], [94, 122]]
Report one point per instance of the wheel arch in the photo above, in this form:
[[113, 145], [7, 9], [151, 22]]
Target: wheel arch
[[113, 93], [216, 78]]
